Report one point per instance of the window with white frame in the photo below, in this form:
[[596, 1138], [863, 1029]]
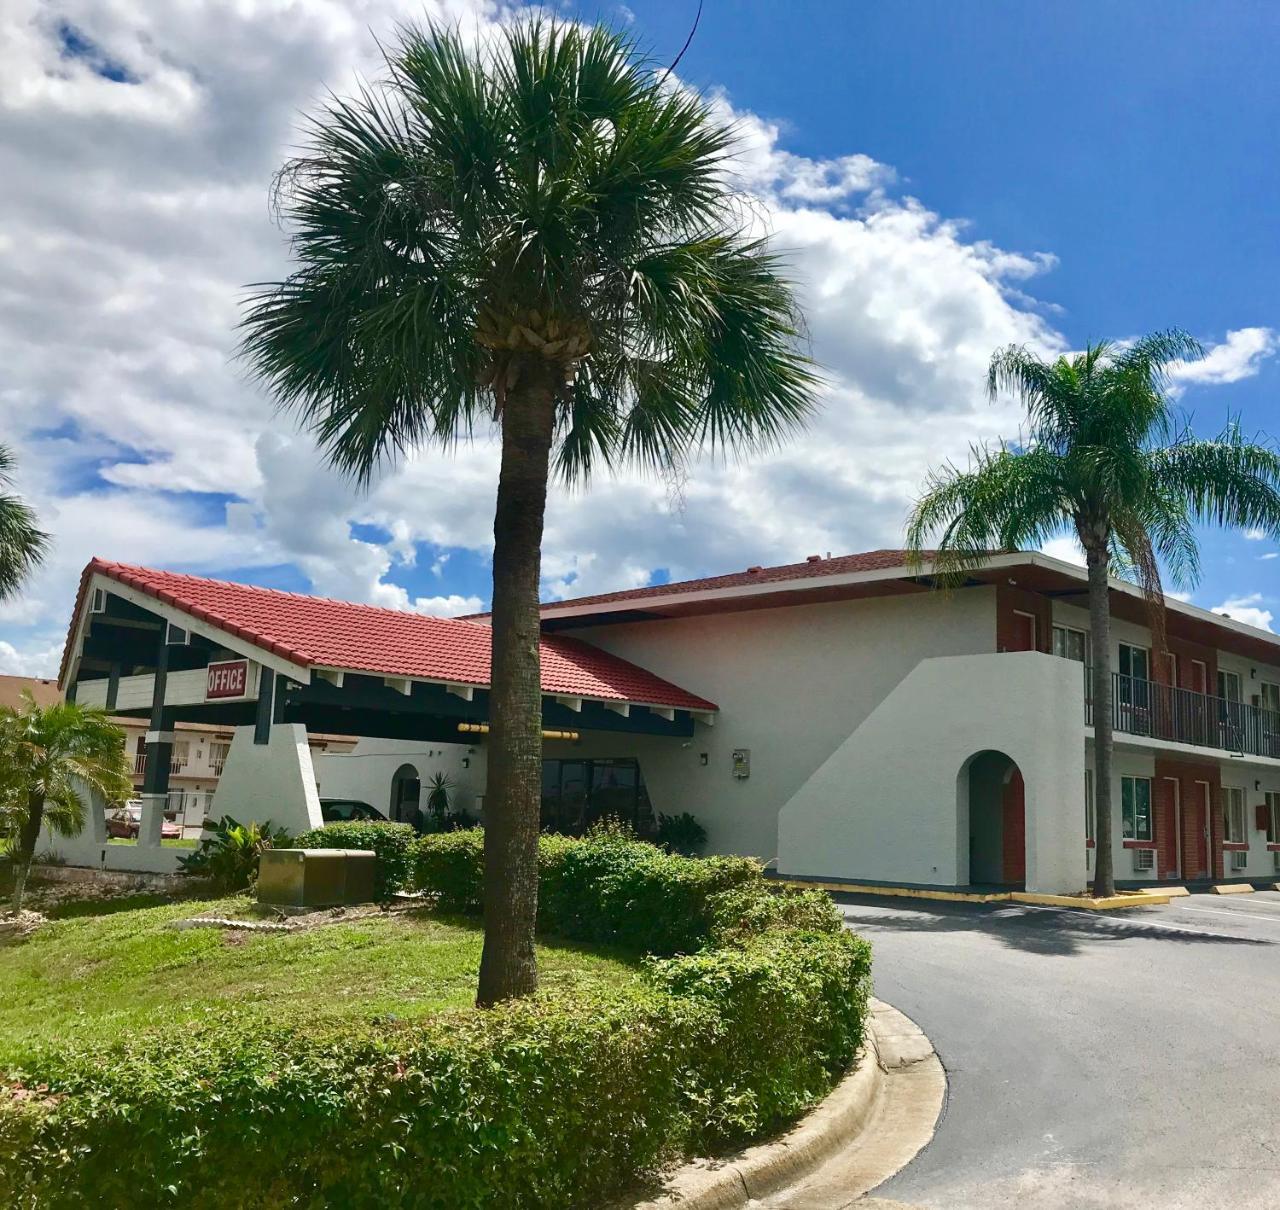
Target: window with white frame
[[1269, 700], [1135, 809], [218, 756], [1070, 643], [1135, 662], [1273, 818], [179, 755], [1090, 811], [1233, 815], [1229, 686]]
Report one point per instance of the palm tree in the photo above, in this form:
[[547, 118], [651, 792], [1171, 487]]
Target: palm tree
[[535, 233], [22, 543], [1106, 458], [46, 754]]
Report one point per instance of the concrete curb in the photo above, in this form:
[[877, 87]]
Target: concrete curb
[[1081, 903], [894, 1042], [1232, 888]]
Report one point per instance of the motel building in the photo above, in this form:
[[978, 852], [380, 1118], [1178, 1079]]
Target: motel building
[[839, 718]]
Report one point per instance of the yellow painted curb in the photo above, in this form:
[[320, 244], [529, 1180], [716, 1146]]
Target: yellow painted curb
[[1233, 888], [902, 892], [1135, 899], [1167, 892], [1110, 904]]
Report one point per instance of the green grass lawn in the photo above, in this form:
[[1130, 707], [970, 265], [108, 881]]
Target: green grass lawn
[[170, 843], [124, 968]]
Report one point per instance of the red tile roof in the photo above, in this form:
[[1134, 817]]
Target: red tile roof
[[315, 631], [811, 569]]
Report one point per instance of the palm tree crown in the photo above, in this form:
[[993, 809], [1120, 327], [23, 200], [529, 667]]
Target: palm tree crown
[[541, 202], [22, 542], [1106, 458]]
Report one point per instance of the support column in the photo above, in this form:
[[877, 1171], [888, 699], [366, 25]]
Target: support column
[[263, 718], [113, 685], [155, 778]]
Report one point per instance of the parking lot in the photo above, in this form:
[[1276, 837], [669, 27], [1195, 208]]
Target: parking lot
[[1094, 1060]]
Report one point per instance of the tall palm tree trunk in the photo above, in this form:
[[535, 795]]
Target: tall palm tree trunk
[[28, 835], [508, 966], [1098, 560]]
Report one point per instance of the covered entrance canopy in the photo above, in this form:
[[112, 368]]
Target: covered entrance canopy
[[172, 647]]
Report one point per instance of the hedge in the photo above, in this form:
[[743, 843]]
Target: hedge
[[550, 1102]]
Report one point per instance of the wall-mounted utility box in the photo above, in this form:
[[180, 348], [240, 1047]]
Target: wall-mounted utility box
[[316, 877]]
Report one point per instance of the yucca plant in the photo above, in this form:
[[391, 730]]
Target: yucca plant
[[1106, 458], [533, 234]]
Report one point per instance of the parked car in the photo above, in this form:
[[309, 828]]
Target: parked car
[[126, 822], [341, 810]]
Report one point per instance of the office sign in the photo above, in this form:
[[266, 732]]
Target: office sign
[[227, 678]]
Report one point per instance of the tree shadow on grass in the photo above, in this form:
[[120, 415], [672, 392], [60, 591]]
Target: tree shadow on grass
[[1059, 933]]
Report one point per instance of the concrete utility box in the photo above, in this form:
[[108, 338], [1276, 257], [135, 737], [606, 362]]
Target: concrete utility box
[[316, 877]]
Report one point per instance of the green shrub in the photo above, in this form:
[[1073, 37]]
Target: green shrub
[[544, 1103], [392, 842], [451, 866], [229, 852], [681, 834], [603, 887]]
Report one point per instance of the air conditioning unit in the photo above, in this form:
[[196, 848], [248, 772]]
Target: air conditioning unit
[[1144, 860], [1239, 859]]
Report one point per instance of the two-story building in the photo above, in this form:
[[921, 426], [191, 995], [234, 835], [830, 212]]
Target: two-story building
[[840, 716]]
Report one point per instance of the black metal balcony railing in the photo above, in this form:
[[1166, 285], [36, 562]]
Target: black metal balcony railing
[[1182, 716]]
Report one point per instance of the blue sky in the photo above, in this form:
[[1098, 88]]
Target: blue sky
[[945, 178]]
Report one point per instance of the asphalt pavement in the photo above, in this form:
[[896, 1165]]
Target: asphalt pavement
[[1113, 1060]]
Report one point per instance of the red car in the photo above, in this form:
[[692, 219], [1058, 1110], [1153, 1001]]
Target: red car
[[126, 823]]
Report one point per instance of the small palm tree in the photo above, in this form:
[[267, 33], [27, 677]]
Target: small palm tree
[[47, 754], [537, 234], [1105, 458], [22, 542]]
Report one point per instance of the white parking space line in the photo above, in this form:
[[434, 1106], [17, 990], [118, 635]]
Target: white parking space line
[[1238, 915]]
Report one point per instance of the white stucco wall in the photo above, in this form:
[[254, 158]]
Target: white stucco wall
[[272, 782], [366, 772], [792, 684], [891, 803]]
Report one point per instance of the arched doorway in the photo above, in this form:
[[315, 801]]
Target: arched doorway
[[997, 821], [406, 790]]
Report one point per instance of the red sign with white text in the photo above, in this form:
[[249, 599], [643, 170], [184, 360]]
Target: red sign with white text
[[228, 678]]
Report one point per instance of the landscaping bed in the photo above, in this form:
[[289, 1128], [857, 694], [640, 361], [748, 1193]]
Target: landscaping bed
[[343, 1065]]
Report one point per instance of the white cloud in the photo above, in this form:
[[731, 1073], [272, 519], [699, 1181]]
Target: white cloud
[[1247, 609], [134, 213], [1255, 535], [1271, 554], [1066, 548], [1239, 356]]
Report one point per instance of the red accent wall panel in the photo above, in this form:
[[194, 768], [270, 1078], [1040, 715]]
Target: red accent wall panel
[[1014, 820]]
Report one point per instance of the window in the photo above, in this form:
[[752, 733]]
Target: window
[[1233, 815], [1135, 808], [578, 793], [179, 755], [218, 757], [1070, 643], [1135, 662], [1269, 699], [1229, 686], [1090, 811]]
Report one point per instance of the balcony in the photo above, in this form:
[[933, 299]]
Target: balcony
[[1181, 716]]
